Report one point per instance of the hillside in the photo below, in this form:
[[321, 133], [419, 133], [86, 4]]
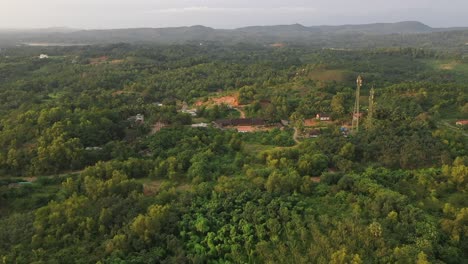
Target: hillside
[[128, 153], [414, 34]]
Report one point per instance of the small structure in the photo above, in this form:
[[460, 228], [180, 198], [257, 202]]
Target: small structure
[[43, 56], [314, 133], [185, 110], [344, 131], [323, 117], [284, 122], [137, 120], [140, 118], [93, 148], [201, 125], [192, 112], [461, 123]]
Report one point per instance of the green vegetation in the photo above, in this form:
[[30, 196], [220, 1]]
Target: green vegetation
[[83, 181]]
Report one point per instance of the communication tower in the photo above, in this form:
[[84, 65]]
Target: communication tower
[[370, 114], [356, 112]]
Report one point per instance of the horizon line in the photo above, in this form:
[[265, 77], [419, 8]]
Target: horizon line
[[200, 25]]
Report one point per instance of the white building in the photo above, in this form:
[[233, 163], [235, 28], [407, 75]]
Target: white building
[[43, 56], [192, 112], [140, 118], [200, 125]]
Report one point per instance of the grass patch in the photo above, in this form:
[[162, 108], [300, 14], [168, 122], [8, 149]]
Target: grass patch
[[28, 197], [457, 68]]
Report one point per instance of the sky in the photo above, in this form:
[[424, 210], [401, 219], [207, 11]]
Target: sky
[[102, 14]]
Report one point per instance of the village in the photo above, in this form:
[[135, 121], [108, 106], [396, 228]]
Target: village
[[308, 128], [304, 128]]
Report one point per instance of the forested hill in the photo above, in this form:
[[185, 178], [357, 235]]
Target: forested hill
[[408, 34]]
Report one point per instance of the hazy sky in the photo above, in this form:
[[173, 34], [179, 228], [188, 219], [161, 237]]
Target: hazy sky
[[225, 14]]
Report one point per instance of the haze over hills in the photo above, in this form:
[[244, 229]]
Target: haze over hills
[[409, 33]]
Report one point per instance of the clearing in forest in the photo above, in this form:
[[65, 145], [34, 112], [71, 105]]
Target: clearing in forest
[[98, 60], [231, 100], [329, 75], [152, 187]]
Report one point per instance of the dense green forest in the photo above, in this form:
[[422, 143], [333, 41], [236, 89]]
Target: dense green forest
[[83, 181]]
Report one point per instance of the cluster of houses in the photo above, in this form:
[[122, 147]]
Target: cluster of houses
[[314, 122], [244, 125]]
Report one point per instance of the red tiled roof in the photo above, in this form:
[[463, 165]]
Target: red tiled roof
[[241, 122]]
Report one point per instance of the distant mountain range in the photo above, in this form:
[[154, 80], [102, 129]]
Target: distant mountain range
[[345, 36]]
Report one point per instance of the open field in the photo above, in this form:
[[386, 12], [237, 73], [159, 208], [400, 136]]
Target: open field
[[230, 100]]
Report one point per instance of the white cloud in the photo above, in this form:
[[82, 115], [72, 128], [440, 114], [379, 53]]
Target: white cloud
[[225, 13]]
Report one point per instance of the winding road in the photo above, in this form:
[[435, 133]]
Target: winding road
[[296, 134], [242, 113]]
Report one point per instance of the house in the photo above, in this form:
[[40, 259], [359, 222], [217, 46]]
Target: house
[[43, 56], [284, 122], [461, 123], [242, 125], [245, 129], [221, 123], [323, 117]]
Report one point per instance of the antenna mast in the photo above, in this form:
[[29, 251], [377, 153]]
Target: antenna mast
[[356, 113], [370, 114]]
